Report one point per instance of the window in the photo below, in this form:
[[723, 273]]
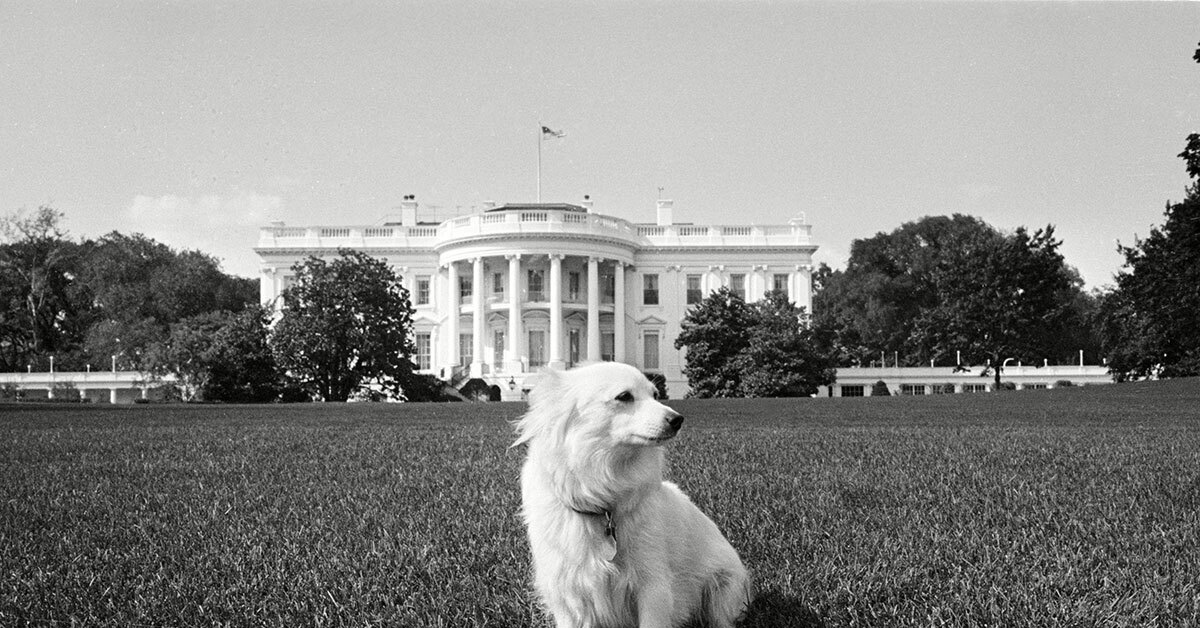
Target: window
[[608, 288], [537, 285], [942, 389], [573, 347], [423, 290], [912, 389], [466, 349], [424, 356], [464, 287], [737, 284], [498, 285], [650, 351], [498, 347], [694, 293], [851, 390], [537, 348], [779, 283], [974, 388], [606, 346], [649, 289], [573, 286]]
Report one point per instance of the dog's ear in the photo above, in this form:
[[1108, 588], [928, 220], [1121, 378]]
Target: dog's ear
[[549, 406]]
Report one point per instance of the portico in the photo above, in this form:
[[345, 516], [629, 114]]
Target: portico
[[518, 312]]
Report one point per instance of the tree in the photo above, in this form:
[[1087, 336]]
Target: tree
[[222, 356], [42, 313], [142, 287], [872, 306], [346, 325], [782, 357], [1000, 297], [948, 286], [1148, 320], [765, 349], [714, 333]]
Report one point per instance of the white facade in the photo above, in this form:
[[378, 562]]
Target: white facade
[[502, 293], [858, 382]]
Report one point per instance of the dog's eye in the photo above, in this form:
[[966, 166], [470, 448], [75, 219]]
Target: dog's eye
[[625, 397]]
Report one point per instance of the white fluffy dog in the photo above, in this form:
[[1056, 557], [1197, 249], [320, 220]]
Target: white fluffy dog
[[613, 544]]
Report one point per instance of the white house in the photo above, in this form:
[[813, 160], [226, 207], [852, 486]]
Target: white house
[[514, 288]]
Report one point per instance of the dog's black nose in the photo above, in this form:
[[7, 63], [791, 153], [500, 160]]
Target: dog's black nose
[[675, 421]]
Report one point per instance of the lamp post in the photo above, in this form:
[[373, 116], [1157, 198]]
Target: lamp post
[[512, 384]]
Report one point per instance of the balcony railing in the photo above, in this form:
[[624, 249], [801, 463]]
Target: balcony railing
[[525, 221]]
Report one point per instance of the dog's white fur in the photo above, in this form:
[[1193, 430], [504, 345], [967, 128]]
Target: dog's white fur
[[594, 436]]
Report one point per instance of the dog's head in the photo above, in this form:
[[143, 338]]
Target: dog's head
[[608, 404]]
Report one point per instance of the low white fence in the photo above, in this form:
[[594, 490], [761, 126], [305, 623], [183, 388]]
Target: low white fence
[[116, 386], [858, 382]]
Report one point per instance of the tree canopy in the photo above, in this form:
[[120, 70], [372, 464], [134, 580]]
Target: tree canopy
[[222, 356], [764, 349], [83, 301], [1148, 321], [346, 326], [942, 288]]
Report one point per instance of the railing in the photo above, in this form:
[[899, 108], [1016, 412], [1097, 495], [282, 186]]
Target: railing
[[533, 222]]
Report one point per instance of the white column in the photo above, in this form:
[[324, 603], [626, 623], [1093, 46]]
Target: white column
[[478, 318], [761, 286], [715, 279], [513, 352], [556, 313], [619, 311], [803, 294], [593, 310], [452, 299]]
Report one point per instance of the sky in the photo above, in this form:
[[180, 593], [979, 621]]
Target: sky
[[197, 123]]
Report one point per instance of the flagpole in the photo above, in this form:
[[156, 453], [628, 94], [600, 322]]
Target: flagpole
[[539, 165]]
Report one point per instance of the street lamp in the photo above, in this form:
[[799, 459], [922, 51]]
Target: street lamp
[[512, 384]]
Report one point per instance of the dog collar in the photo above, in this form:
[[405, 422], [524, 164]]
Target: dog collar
[[610, 530]]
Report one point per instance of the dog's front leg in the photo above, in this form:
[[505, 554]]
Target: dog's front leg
[[656, 605]]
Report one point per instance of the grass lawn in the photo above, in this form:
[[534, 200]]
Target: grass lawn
[[1070, 507]]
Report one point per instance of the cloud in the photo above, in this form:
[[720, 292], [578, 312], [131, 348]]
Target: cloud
[[225, 227], [835, 256]]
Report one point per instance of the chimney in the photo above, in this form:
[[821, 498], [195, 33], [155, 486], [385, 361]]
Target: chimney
[[408, 211], [587, 202], [666, 209]]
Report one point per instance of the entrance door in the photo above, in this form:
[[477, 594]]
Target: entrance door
[[537, 348], [573, 347]]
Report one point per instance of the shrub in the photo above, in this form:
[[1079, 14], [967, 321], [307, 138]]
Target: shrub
[[660, 383], [880, 389]]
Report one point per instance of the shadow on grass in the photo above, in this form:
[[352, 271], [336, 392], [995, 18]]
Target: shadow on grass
[[772, 609]]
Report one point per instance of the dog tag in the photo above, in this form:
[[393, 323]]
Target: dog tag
[[610, 538], [609, 551]]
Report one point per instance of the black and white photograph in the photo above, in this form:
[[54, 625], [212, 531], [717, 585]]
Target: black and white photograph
[[599, 314]]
